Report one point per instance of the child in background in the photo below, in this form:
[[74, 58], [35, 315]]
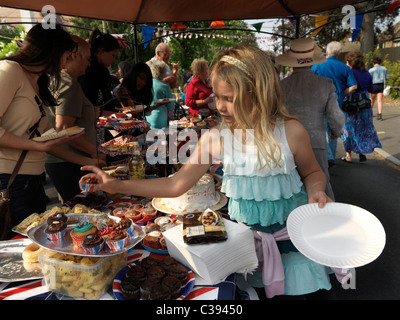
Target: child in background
[[272, 173]]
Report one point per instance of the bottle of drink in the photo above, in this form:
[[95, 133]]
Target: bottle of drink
[[136, 164]]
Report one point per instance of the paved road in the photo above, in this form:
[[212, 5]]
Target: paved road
[[375, 186]]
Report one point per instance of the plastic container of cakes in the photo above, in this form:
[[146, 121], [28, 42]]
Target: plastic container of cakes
[[65, 244], [80, 277]]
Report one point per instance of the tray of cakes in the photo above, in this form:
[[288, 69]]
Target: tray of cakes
[[153, 279], [85, 234]]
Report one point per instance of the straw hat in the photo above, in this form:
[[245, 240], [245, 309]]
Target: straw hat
[[302, 53]]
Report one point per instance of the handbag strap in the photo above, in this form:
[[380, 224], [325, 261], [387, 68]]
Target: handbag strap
[[33, 130]]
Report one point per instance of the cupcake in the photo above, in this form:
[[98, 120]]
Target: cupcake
[[93, 243], [146, 288], [155, 273], [149, 262], [120, 212], [136, 272], [55, 230], [174, 285], [152, 240], [137, 206], [134, 215], [149, 212], [130, 288], [83, 229], [58, 216], [178, 271], [125, 225], [162, 221], [167, 262], [151, 227], [160, 292], [116, 240], [87, 184]]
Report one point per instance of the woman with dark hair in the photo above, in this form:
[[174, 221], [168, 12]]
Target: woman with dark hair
[[96, 81], [379, 76], [359, 134], [25, 93], [136, 88]]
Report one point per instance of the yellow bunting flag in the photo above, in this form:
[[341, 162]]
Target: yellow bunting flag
[[319, 22]]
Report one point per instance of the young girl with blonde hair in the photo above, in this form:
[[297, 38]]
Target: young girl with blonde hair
[[269, 166]]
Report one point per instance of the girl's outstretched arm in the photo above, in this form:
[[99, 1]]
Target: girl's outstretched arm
[[313, 177], [172, 186]]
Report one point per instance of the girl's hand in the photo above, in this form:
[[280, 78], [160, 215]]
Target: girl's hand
[[319, 197], [104, 181]]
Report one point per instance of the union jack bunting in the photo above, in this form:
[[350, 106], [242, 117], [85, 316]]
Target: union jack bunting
[[19, 43], [304, 60], [122, 40]]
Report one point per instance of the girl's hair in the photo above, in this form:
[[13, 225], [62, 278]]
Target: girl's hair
[[99, 40], [44, 48], [356, 60], [252, 73], [198, 65], [145, 95]]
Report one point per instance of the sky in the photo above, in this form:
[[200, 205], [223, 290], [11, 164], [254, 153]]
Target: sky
[[267, 26]]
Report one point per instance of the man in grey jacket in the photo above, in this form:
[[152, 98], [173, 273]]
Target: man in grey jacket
[[311, 97]]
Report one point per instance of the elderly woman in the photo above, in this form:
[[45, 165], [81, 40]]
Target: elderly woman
[[199, 93], [158, 118]]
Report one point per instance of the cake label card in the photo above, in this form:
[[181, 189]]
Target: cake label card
[[203, 227], [195, 231]]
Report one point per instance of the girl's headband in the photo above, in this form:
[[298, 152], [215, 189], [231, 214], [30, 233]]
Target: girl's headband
[[237, 63]]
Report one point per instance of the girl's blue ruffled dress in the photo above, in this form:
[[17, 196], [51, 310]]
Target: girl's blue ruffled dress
[[263, 199]]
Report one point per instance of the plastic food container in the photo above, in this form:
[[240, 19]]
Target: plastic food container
[[80, 276]]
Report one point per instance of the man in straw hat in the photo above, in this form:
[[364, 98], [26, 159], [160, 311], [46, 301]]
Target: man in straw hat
[[342, 78], [311, 98]]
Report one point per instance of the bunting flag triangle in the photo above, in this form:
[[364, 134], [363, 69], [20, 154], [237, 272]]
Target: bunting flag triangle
[[319, 23], [292, 20], [392, 5], [258, 26], [147, 33], [123, 42], [359, 20]]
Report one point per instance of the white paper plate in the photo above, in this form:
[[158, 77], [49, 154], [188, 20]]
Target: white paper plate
[[56, 135], [165, 100], [338, 235]]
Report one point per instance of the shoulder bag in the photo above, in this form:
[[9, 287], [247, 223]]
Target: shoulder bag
[[356, 100]]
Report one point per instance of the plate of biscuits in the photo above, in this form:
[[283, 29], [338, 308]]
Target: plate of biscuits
[[53, 134]]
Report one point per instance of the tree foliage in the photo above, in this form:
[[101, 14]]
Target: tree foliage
[[8, 46], [183, 49]]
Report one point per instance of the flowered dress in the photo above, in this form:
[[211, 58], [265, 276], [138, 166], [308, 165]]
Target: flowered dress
[[263, 199], [359, 133]]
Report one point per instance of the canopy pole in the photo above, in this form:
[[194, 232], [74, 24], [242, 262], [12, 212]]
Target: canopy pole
[[297, 27], [135, 43]]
